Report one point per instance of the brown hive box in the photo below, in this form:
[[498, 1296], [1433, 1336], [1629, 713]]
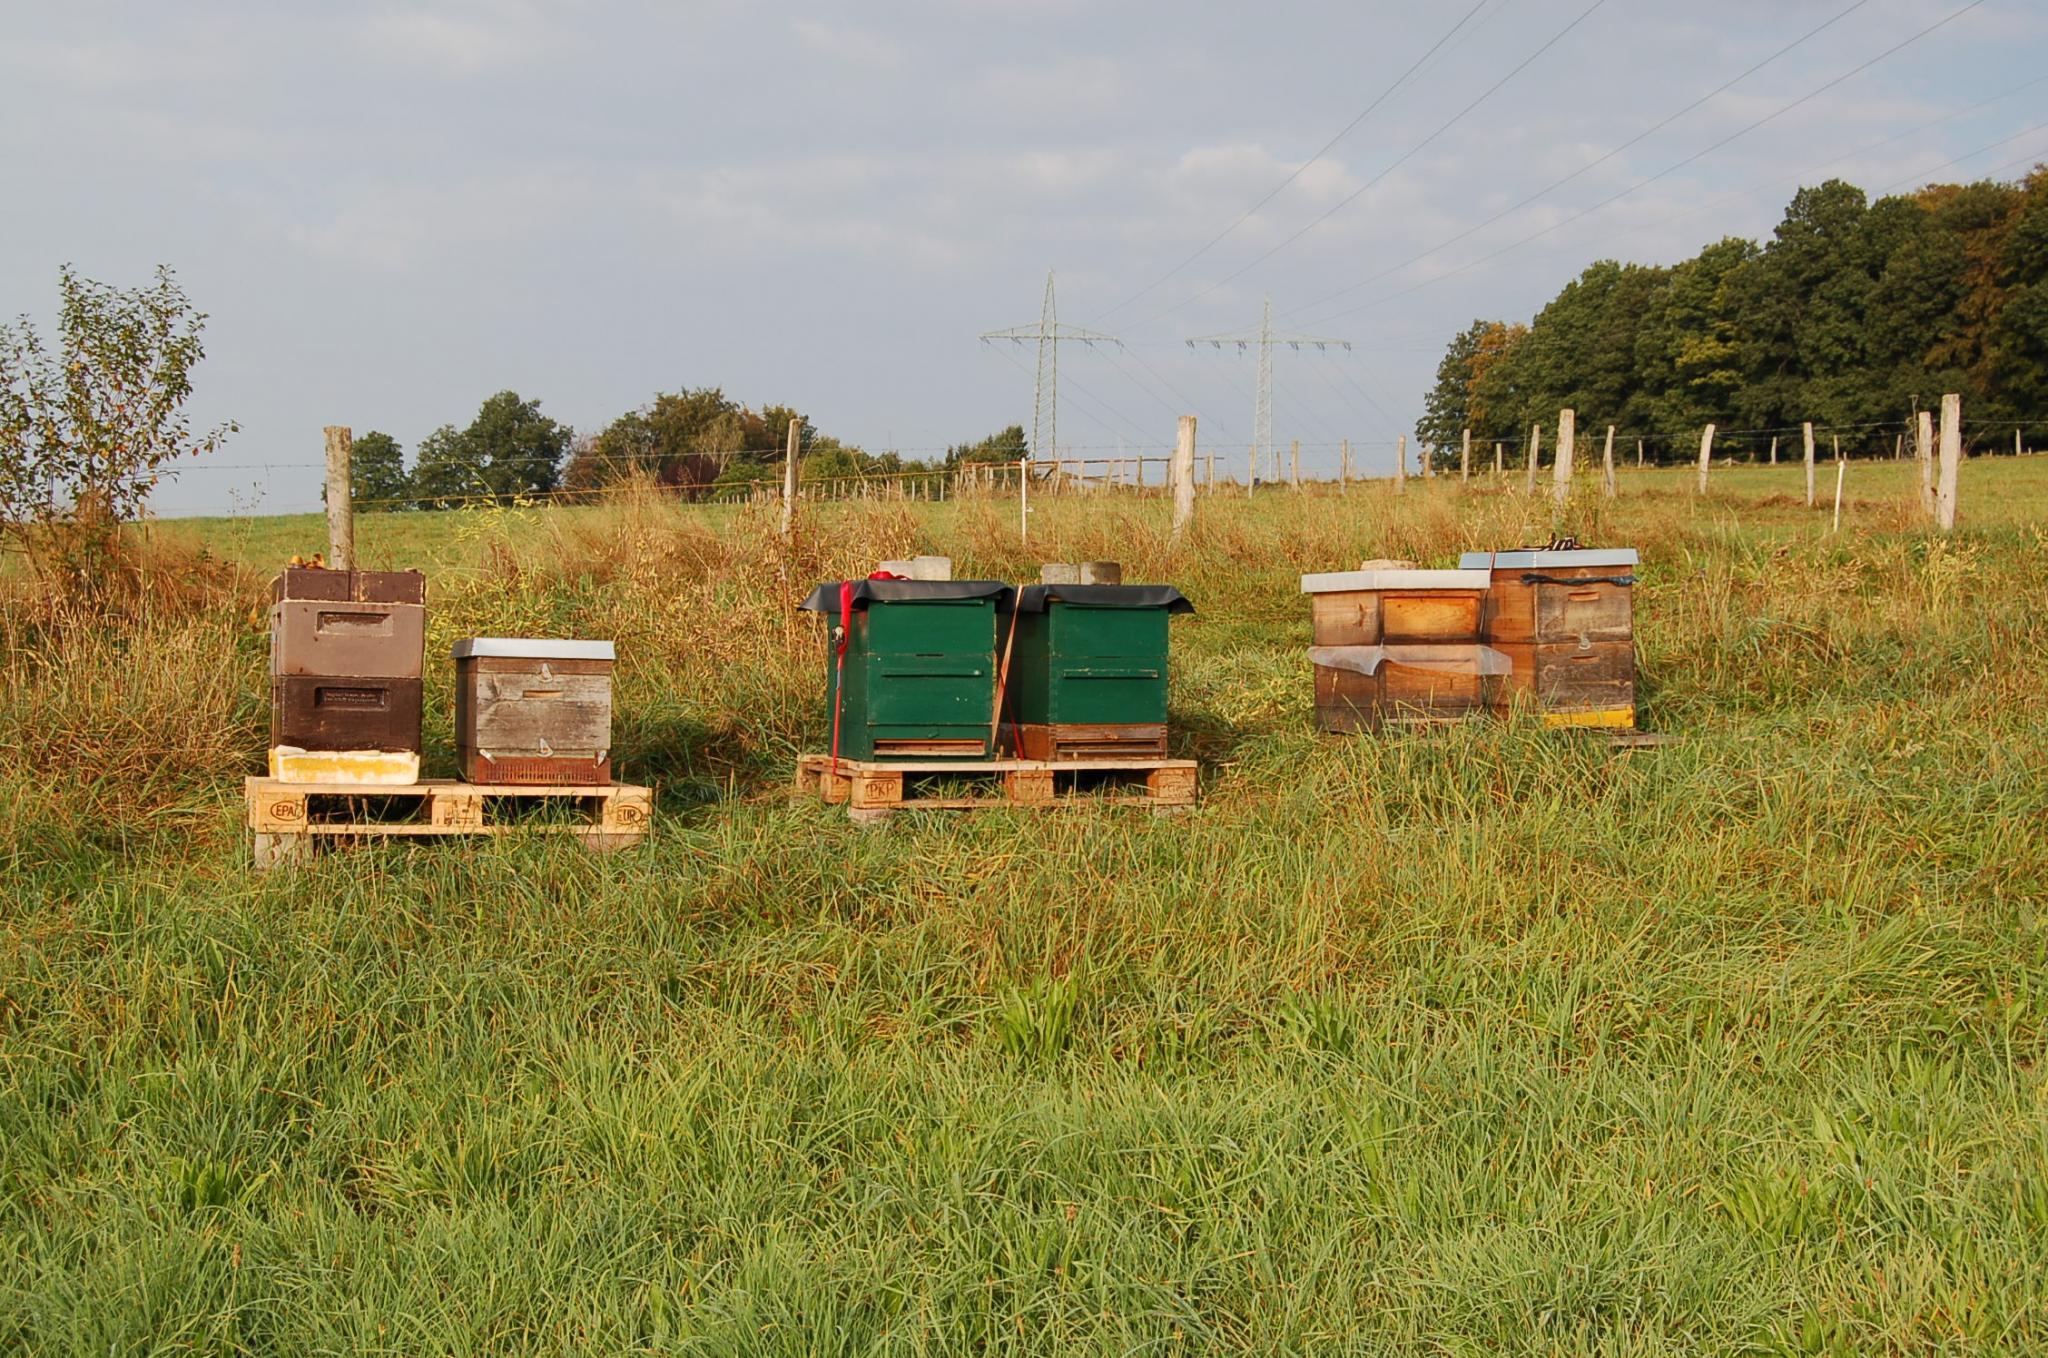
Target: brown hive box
[[533, 710], [346, 653], [1566, 621], [1399, 646], [332, 637]]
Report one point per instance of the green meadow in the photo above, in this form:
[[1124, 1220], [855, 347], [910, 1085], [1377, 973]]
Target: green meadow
[[1472, 1040]]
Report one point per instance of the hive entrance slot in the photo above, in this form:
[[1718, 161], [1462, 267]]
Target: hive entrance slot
[[906, 749]]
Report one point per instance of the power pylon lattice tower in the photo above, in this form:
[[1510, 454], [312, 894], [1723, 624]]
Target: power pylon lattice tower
[[1262, 404], [1045, 406]]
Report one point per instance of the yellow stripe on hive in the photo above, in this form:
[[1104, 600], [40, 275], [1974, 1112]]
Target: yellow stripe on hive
[[1606, 717], [378, 768]]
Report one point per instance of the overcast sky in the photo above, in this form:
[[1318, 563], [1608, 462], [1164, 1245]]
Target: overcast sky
[[391, 211]]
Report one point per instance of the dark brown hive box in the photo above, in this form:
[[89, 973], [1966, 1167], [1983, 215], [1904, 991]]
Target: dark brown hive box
[[362, 587], [337, 712]]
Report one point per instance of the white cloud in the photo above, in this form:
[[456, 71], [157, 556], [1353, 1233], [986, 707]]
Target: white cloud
[[852, 46], [399, 227], [1071, 85], [470, 39], [90, 66]]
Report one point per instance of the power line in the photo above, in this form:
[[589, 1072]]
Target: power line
[[1556, 184], [1300, 169], [1967, 155], [1086, 395], [1262, 406], [1403, 159], [1669, 169], [1045, 404], [2036, 156], [1370, 399], [1801, 176], [1191, 402]]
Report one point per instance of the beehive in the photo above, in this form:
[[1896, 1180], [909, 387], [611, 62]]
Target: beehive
[[346, 656], [1399, 646], [537, 712], [1087, 671], [919, 666], [1566, 622]]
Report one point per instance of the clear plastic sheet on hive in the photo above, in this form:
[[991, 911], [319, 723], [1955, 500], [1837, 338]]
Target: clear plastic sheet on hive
[[1482, 661]]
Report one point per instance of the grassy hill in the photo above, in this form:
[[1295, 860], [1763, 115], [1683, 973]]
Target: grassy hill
[[1469, 1041]]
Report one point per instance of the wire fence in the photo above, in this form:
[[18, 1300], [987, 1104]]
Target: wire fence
[[1129, 469]]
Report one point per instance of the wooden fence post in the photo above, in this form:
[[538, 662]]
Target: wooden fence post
[[1023, 499], [1344, 475], [341, 504], [1496, 461], [1806, 434], [1639, 454], [1422, 455], [1294, 463], [1211, 475], [1951, 462], [1465, 456], [1567, 449], [1181, 473], [1841, 470], [1529, 463], [1401, 464], [1251, 471], [789, 470], [1607, 465], [1774, 450], [1706, 455], [1923, 452]]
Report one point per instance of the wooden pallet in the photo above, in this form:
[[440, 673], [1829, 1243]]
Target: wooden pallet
[[872, 789], [287, 819], [1636, 740]]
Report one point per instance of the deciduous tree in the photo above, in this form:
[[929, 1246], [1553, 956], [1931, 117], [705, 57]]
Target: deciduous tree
[[86, 431]]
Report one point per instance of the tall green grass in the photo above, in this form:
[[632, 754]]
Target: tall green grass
[[1469, 1041]]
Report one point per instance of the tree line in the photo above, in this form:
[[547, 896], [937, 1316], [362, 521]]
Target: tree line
[[1854, 314], [697, 442], [93, 417]]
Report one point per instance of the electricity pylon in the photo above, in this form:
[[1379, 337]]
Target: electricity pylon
[[1262, 404], [1045, 406]]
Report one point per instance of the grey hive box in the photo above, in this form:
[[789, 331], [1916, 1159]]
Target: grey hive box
[[533, 710]]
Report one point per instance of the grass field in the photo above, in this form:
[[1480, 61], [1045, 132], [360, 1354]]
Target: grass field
[[1472, 1041]]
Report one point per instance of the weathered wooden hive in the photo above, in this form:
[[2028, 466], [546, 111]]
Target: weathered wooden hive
[[1087, 672], [347, 650], [1400, 646], [532, 711], [1565, 619], [919, 666]]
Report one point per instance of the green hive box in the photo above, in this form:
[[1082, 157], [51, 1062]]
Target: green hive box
[[1088, 671], [920, 666]]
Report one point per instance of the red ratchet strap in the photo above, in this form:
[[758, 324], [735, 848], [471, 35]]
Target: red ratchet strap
[[846, 588], [839, 673]]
